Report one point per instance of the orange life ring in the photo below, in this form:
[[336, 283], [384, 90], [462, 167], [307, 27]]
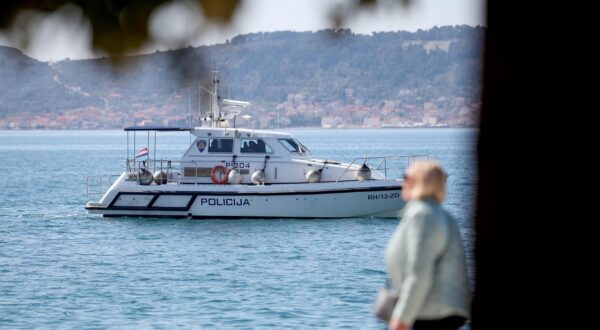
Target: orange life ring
[[222, 170]]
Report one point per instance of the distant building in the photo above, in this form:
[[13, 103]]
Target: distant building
[[430, 120], [403, 92], [349, 92], [331, 122], [372, 122]]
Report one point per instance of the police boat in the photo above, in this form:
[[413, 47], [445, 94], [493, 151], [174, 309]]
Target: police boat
[[230, 172]]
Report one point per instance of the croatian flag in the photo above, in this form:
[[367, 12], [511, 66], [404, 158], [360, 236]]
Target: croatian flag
[[142, 152]]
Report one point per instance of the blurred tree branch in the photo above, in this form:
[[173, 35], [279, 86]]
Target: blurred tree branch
[[120, 27]]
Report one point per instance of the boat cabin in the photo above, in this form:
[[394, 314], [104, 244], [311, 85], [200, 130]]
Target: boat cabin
[[246, 151], [238, 156]]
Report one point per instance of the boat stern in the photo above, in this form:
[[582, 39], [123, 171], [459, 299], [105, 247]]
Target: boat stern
[[95, 189], [95, 208]]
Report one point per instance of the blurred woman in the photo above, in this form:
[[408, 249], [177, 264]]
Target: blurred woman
[[425, 257]]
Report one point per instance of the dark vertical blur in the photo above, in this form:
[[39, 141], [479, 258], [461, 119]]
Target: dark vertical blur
[[517, 197], [499, 75]]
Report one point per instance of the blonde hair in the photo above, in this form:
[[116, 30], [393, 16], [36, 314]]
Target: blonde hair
[[428, 180]]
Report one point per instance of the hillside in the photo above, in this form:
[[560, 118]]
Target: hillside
[[322, 78]]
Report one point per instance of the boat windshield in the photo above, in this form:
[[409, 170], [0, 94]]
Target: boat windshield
[[293, 145], [303, 147]]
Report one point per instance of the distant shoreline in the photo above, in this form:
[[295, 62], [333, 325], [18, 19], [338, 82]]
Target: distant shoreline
[[271, 129]]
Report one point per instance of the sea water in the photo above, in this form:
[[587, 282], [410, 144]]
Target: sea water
[[63, 268]]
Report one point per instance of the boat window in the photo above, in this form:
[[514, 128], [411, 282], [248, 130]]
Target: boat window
[[255, 146], [290, 145], [220, 145]]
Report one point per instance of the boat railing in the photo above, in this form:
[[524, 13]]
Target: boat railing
[[391, 166], [94, 188], [96, 185], [171, 168]]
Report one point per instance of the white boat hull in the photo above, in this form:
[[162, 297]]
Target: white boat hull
[[372, 198]]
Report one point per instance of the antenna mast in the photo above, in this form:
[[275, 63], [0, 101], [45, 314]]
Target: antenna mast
[[216, 116]]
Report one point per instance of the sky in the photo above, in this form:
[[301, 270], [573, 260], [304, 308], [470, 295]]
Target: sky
[[56, 38]]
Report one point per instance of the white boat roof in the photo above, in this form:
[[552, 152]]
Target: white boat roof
[[230, 132]]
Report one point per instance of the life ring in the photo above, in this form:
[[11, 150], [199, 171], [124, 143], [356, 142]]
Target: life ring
[[219, 171]]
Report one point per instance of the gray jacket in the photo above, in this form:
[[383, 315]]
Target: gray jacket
[[426, 263]]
